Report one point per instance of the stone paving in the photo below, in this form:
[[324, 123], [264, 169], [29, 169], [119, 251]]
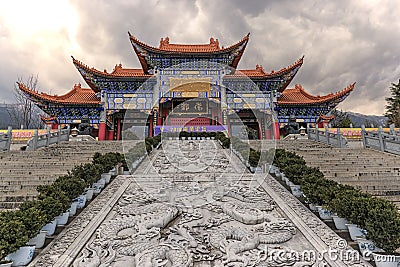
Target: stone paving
[[22, 171], [192, 203]]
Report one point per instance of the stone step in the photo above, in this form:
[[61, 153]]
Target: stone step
[[22, 171], [371, 171]]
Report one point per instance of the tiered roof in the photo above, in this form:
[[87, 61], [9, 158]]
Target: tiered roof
[[76, 96], [165, 45], [280, 79], [167, 49], [298, 96], [294, 96], [119, 71], [259, 71]]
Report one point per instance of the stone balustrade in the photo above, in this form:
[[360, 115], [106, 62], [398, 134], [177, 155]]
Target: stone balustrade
[[333, 139], [381, 141], [5, 140], [49, 138]]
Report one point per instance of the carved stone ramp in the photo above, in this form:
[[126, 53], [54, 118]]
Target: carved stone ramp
[[156, 218]]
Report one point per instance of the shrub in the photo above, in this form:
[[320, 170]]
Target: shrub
[[296, 171], [72, 186], [156, 140], [52, 200], [13, 233], [17, 227], [254, 157], [88, 172], [105, 162], [33, 218], [379, 217], [342, 203], [383, 226], [225, 141], [284, 158]]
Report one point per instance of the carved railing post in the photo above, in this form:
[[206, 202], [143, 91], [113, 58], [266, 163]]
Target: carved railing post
[[35, 139], [58, 134], [68, 132], [327, 134], [339, 137], [392, 131], [316, 133], [9, 138], [381, 142], [48, 136], [364, 136]]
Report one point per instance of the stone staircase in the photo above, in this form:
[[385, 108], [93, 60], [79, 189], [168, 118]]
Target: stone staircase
[[22, 171], [369, 170]]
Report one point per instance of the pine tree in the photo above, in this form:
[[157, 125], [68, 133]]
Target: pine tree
[[341, 119], [393, 105], [345, 123]]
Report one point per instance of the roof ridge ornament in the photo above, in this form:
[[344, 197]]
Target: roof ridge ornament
[[77, 86], [298, 87], [164, 42], [260, 68], [214, 42]]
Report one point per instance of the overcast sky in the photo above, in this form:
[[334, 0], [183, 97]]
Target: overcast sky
[[342, 41]]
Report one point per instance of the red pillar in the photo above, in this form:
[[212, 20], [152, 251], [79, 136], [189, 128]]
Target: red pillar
[[160, 114], [268, 134], [151, 127], [102, 131], [214, 113], [277, 134], [118, 129], [110, 134], [260, 135]]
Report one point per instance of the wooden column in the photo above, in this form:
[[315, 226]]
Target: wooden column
[[151, 131], [102, 131], [110, 135], [268, 134], [277, 134], [119, 129], [103, 118]]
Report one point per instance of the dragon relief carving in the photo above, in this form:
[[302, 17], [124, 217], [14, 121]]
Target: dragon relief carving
[[190, 219], [233, 230]]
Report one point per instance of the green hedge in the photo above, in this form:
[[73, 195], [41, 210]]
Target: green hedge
[[225, 141], [378, 216], [17, 227]]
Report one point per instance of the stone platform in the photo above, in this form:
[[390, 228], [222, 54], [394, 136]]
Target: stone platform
[[194, 204]]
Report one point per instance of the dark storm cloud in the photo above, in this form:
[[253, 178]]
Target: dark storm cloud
[[343, 41]]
